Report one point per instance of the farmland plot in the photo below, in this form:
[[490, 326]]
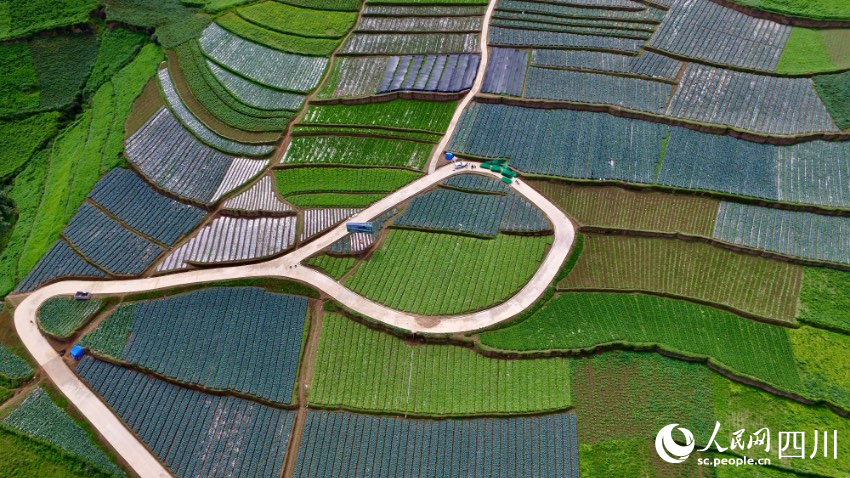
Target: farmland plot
[[647, 64], [762, 104], [174, 160], [199, 129], [616, 208], [824, 300], [583, 321], [13, 367], [233, 239], [572, 9], [476, 183], [62, 316], [393, 446], [355, 76], [451, 273], [510, 37], [411, 9], [791, 233], [108, 243], [562, 142], [583, 87], [357, 151], [125, 195], [505, 71], [747, 283], [37, 416], [429, 116], [361, 180], [182, 337], [333, 266], [193, 433], [260, 198], [317, 221], [363, 369], [272, 38], [805, 173], [571, 29], [59, 261], [585, 20], [438, 73], [268, 67], [254, 94], [445, 24], [411, 43], [690, 30]]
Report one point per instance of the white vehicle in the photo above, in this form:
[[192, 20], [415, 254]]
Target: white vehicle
[[460, 165]]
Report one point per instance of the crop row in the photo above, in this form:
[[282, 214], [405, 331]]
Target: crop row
[[360, 368], [437, 274], [425, 10], [183, 337], [539, 21], [411, 43], [260, 198], [334, 266], [805, 173], [356, 150], [500, 36], [440, 73], [537, 142], [578, 321], [354, 76], [647, 63], [476, 183], [393, 446], [792, 233], [125, 195], [443, 24], [322, 179], [12, 366], [174, 160], [616, 208], [764, 104], [275, 69], [432, 116], [193, 433], [744, 282], [233, 239], [482, 215], [254, 94], [62, 316], [109, 244], [37, 416], [59, 261], [305, 22], [273, 38], [569, 29], [649, 15], [370, 131], [199, 129], [319, 220], [708, 31], [583, 87]]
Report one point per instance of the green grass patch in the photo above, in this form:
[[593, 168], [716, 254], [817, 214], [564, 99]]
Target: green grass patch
[[825, 298], [24, 457], [328, 180], [617, 208], [62, 316], [110, 337], [335, 267], [744, 282], [824, 362], [29, 16], [363, 369], [834, 91], [117, 47], [18, 80], [805, 52], [627, 457], [429, 116], [313, 200], [190, 67], [585, 321], [21, 138], [357, 151], [174, 21], [300, 21], [444, 274], [62, 64], [814, 9], [53, 185], [333, 5], [279, 41]]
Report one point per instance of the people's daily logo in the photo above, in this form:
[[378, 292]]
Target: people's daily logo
[[668, 449]]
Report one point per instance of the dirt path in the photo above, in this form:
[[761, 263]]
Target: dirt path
[[476, 87]]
